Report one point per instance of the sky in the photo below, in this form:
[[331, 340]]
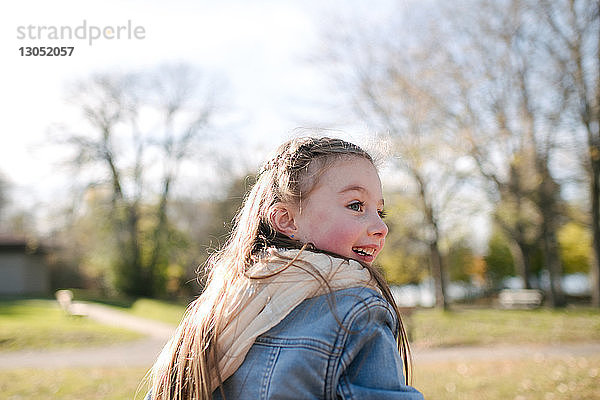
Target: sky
[[262, 49]]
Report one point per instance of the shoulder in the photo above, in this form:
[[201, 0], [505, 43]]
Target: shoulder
[[332, 317], [368, 341], [363, 315], [363, 305]]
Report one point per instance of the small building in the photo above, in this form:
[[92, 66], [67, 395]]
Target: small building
[[23, 268]]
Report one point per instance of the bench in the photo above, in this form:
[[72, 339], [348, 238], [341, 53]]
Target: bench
[[64, 298], [520, 298]]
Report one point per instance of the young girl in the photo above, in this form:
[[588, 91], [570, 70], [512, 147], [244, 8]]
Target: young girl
[[293, 308]]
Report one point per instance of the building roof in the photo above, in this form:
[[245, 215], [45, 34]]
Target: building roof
[[21, 244]]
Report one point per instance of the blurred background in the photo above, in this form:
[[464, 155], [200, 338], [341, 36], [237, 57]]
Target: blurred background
[[122, 166]]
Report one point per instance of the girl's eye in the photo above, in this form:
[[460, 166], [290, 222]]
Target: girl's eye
[[356, 206], [382, 213]]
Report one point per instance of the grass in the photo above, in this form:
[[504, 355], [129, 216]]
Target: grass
[[41, 324], [73, 384], [432, 328], [158, 310], [37, 324], [539, 379], [167, 312], [572, 378]]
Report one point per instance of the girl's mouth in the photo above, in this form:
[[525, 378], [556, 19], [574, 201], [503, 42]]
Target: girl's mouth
[[365, 253]]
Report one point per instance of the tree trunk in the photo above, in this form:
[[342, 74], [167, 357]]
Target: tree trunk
[[595, 194], [521, 257], [437, 272], [160, 235], [548, 203], [520, 248], [553, 264], [137, 283], [595, 184], [437, 264]]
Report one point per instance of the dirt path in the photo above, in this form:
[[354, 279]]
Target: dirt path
[[139, 353], [110, 316], [505, 352], [142, 353]]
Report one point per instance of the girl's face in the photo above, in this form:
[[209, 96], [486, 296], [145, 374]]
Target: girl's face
[[343, 213]]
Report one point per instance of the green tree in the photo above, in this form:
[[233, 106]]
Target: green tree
[[499, 261], [461, 262], [404, 259], [87, 254], [575, 244], [224, 209]]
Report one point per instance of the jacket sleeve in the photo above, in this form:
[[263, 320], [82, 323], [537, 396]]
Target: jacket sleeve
[[370, 366]]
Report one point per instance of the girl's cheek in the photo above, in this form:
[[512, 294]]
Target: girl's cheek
[[335, 240]]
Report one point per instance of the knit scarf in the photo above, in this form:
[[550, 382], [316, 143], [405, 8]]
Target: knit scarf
[[276, 285]]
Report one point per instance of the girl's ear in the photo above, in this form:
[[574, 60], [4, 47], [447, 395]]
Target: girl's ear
[[281, 217]]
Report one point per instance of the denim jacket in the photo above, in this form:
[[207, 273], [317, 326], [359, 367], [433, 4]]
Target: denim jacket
[[338, 346]]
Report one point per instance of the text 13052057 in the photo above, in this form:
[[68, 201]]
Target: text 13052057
[[46, 51]]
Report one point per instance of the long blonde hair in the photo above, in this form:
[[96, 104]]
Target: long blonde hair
[[189, 362]]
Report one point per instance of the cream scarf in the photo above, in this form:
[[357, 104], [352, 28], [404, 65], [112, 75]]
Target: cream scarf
[[279, 283]]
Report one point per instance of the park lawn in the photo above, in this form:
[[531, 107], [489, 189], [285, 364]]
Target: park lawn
[[461, 327], [41, 324], [159, 310], [432, 328], [74, 383], [538, 379], [170, 313], [571, 378], [472, 327]]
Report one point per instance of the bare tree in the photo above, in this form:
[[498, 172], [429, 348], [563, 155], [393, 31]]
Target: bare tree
[[510, 78], [508, 113], [551, 49], [139, 129], [572, 43], [390, 79]]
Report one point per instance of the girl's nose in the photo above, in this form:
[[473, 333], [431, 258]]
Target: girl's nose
[[377, 227]]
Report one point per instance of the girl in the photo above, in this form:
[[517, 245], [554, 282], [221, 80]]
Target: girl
[[293, 308]]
